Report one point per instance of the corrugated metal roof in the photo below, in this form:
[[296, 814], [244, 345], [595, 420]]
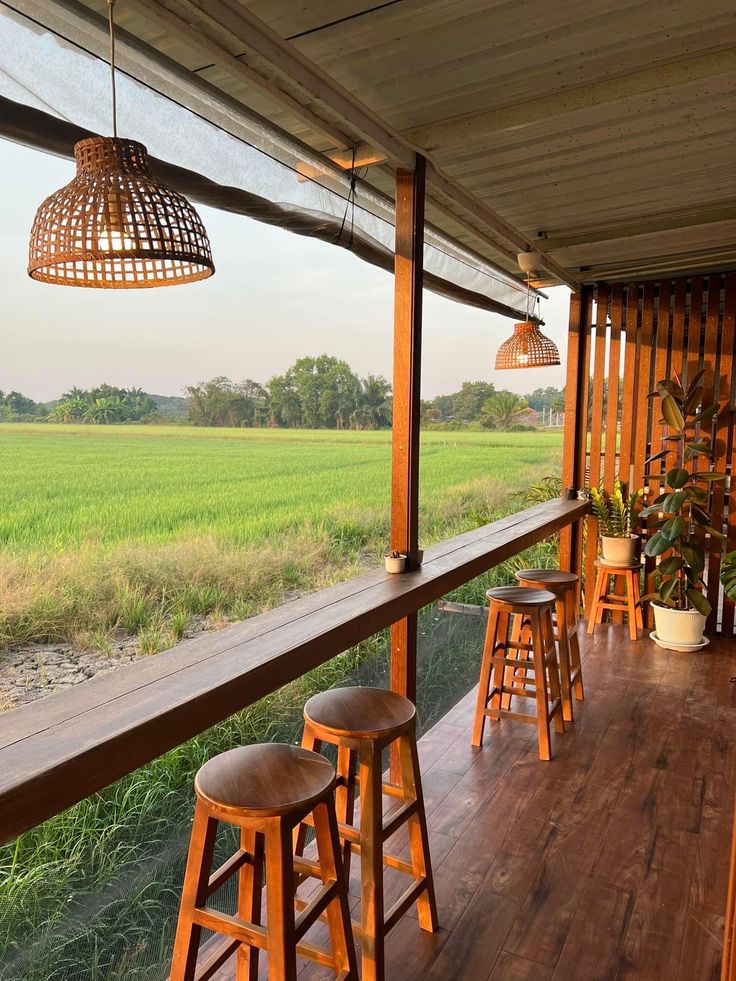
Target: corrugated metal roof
[[601, 128]]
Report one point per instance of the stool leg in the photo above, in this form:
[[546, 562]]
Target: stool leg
[[517, 636], [563, 646], [571, 624], [309, 741], [595, 611], [540, 684], [631, 604], [485, 677], [550, 653], [194, 893], [281, 931], [411, 782], [499, 670], [250, 886], [345, 798], [338, 911], [637, 601], [371, 863]]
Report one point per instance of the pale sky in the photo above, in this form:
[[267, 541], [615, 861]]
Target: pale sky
[[275, 297]]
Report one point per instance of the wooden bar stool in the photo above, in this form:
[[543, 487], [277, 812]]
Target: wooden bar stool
[[514, 608], [629, 602], [265, 791], [362, 722], [564, 585]]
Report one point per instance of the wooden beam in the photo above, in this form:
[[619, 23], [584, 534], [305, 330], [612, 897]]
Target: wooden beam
[[638, 226], [338, 107], [259, 40], [408, 276], [479, 128]]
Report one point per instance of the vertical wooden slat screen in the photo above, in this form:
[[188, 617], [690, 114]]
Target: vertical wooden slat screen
[[631, 335], [574, 455], [726, 429], [596, 422]]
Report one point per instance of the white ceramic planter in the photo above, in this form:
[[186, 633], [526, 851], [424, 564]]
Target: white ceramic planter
[[681, 628], [619, 551], [395, 564]]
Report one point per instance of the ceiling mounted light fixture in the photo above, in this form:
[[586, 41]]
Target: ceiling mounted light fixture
[[528, 347], [114, 226]]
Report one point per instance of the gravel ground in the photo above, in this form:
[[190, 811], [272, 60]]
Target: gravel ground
[[36, 670]]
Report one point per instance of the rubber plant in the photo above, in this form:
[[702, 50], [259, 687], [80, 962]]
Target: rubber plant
[[728, 575], [684, 529]]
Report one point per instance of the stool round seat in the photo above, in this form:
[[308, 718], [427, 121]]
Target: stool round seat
[[521, 597], [602, 563], [268, 779], [557, 581], [360, 713]]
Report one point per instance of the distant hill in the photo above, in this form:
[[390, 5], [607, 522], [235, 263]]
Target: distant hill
[[171, 405], [168, 405]]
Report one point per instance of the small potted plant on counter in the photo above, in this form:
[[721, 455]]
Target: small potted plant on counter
[[395, 561], [684, 530], [617, 514]]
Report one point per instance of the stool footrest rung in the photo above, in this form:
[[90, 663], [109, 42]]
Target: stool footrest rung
[[218, 956], [316, 954], [392, 790], [228, 868], [399, 817], [303, 866], [242, 931], [403, 903], [315, 907], [499, 713], [513, 662]]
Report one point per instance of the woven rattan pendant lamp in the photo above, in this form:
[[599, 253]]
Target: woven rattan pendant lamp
[[115, 226], [528, 347]]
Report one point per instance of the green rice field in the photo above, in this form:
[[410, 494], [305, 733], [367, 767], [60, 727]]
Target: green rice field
[[66, 486], [143, 528]]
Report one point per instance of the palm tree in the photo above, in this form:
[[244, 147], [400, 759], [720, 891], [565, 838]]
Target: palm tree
[[104, 410], [502, 410], [374, 401], [357, 419]]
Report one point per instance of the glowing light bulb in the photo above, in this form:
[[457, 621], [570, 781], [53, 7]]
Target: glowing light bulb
[[113, 240]]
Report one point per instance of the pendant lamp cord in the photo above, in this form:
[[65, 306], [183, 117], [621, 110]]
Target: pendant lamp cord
[[111, 24], [528, 293]]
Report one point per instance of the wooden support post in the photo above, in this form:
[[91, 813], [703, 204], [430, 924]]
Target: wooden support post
[[406, 380], [576, 419]]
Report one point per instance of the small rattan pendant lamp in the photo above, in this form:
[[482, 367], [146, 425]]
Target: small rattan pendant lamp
[[115, 226], [528, 347]]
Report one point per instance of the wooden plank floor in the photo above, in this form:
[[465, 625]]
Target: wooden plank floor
[[608, 863]]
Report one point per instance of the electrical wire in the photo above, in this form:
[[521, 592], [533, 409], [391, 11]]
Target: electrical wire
[[111, 25]]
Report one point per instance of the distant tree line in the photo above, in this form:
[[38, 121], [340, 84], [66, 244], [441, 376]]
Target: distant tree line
[[15, 407], [314, 393], [481, 403], [104, 405]]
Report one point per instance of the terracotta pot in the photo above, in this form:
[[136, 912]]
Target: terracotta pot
[[619, 551], [683, 628], [395, 564]]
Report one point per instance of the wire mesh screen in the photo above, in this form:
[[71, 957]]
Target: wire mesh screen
[[93, 894]]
